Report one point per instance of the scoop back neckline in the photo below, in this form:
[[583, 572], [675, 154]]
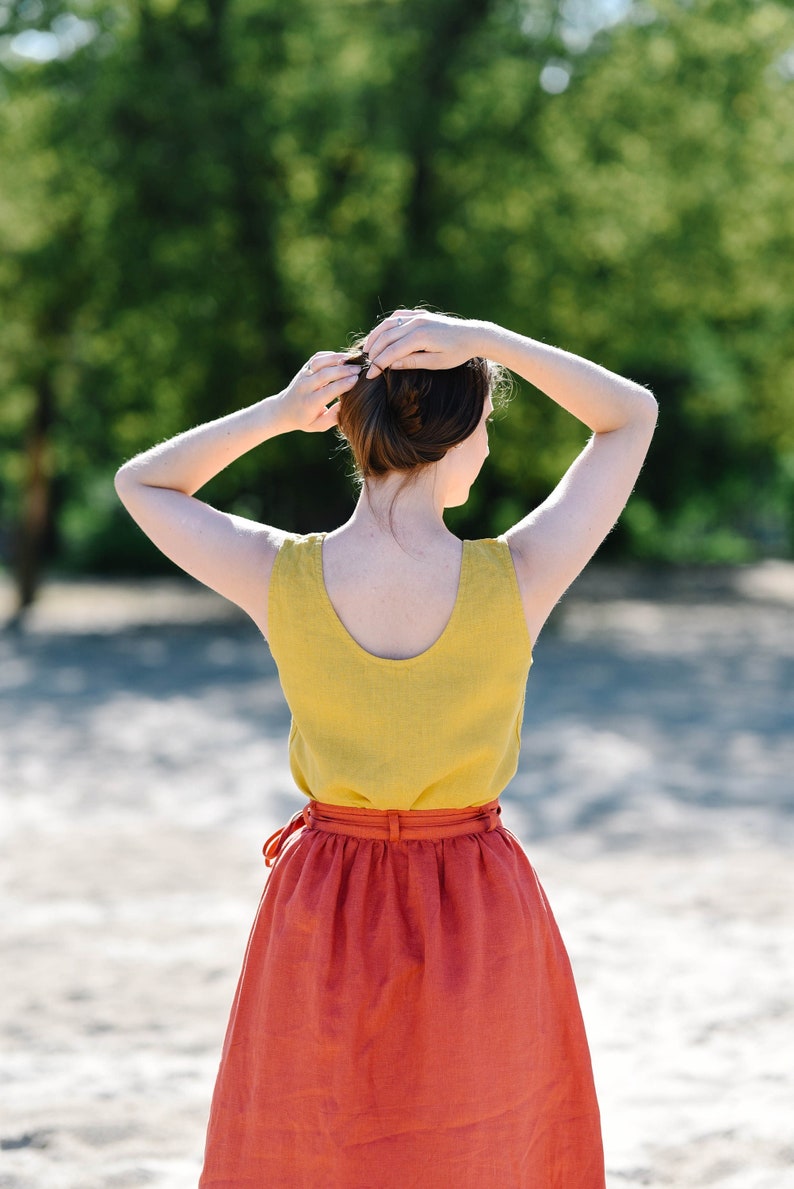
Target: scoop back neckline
[[398, 661]]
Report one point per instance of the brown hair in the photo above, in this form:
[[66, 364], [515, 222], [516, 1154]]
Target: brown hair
[[403, 420]]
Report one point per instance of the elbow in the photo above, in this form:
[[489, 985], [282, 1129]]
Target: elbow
[[638, 411], [646, 406], [124, 482]]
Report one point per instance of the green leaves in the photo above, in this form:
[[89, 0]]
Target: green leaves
[[202, 193]]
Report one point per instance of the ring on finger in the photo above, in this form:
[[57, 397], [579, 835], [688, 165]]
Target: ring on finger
[[399, 321], [309, 368]]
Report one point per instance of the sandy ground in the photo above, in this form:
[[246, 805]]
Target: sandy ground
[[143, 762]]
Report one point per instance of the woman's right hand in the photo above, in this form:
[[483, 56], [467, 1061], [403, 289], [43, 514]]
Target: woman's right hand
[[419, 339], [309, 400]]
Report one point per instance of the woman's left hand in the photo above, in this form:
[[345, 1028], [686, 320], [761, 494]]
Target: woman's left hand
[[309, 402]]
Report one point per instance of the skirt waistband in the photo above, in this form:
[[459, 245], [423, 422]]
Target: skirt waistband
[[391, 825]]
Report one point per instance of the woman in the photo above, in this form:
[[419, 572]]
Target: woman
[[406, 1014]]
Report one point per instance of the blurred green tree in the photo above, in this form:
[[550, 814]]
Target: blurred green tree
[[198, 193]]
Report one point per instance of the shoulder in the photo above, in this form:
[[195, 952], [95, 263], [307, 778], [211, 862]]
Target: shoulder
[[270, 542]]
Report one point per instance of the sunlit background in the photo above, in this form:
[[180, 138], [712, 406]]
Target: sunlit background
[[197, 194]]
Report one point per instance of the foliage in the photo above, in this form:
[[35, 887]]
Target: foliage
[[199, 193]]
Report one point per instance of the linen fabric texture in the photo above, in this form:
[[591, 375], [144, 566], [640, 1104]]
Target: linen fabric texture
[[406, 1016], [438, 730]]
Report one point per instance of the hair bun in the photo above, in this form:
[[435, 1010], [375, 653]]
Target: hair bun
[[404, 396], [403, 420]]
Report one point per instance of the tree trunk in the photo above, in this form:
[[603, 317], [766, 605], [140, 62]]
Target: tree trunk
[[434, 76]]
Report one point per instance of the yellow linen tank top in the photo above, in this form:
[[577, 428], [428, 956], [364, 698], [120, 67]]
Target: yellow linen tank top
[[441, 730]]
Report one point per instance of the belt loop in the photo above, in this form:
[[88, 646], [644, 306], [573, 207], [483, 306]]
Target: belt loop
[[493, 814], [394, 825]]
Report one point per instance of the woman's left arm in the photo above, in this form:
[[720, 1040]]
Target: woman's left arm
[[228, 553], [554, 542]]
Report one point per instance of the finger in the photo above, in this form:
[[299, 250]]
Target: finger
[[394, 322], [387, 339], [328, 358], [427, 361], [327, 419], [393, 344], [401, 347], [404, 315], [323, 359], [391, 330], [332, 391], [331, 373], [331, 416], [374, 337]]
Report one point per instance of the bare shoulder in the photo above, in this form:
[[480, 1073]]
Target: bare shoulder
[[251, 558]]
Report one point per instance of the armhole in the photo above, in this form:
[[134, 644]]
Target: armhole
[[506, 555]]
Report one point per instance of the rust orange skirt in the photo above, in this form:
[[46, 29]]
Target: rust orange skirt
[[406, 1016]]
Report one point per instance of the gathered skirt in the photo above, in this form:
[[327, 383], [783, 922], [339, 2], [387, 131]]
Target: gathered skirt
[[406, 1016]]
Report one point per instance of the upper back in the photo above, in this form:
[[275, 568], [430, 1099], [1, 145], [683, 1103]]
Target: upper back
[[394, 602], [438, 727]]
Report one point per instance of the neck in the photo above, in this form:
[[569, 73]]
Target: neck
[[411, 511]]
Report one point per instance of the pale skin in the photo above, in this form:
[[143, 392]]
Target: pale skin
[[394, 584]]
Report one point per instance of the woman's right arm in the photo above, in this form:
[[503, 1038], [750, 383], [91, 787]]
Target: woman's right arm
[[230, 554]]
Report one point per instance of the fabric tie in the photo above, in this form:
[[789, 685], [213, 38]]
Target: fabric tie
[[276, 842], [392, 825]]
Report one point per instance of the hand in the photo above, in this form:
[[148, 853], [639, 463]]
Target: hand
[[419, 339], [319, 383]]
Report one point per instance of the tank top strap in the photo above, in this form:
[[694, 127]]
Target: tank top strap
[[292, 578], [493, 590]]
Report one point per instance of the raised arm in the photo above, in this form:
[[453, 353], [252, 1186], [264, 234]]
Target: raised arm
[[228, 553], [553, 543]]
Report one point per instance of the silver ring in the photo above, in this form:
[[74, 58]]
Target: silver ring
[[399, 321], [309, 369]]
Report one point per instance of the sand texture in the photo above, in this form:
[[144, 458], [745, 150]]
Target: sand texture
[[143, 762]]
